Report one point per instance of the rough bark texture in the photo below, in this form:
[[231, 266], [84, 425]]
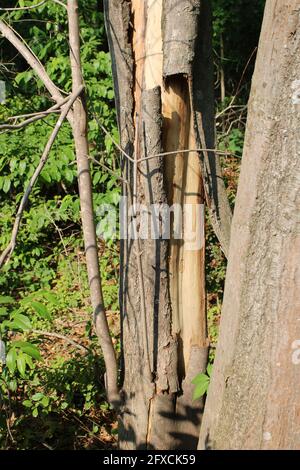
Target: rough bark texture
[[253, 400], [180, 30], [160, 87]]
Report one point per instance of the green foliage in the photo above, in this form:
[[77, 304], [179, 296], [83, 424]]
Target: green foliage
[[45, 280], [47, 385], [15, 320], [201, 382], [237, 23]]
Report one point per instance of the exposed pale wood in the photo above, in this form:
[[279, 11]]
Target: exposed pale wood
[[161, 117]]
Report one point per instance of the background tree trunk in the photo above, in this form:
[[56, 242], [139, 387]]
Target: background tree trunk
[[254, 396], [162, 66]]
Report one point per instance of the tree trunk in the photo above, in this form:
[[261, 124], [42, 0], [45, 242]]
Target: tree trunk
[[162, 66], [79, 126], [254, 396]]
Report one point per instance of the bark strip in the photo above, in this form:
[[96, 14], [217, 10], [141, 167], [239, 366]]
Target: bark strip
[[187, 47], [180, 33]]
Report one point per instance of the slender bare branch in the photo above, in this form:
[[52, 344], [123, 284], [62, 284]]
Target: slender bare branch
[[238, 87], [62, 337], [176, 152], [112, 139], [112, 172], [87, 213], [23, 48], [11, 246], [60, 3], [34, 117]]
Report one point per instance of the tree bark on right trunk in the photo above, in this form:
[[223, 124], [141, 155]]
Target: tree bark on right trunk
[[254, 396]]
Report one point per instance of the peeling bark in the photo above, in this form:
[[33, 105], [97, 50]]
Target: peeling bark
[[253, 399], [180, 34], [161, 88]]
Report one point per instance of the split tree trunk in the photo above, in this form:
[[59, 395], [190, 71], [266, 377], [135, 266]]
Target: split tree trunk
[[253, 400], [162, 65]]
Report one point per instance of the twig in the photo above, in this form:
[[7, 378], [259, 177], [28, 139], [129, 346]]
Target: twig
[[238, 87], [112, 139], [112, 172], [87, 216], [59, 231], [83, 426], [11, 246], [24, 8], [163, 154], [62, 337], [23, 48], [219, 152], [47, 446], [34, 116], [60, 3]]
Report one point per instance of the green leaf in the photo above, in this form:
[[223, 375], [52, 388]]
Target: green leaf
[[200, 389], [27, 403], [209, 370], [11, 360], [41, 310], [21, 321], [46, 176], [45, 401], [13, 164], [50, 297], [22, 167], [37, 396], [199, 379], [12, 385], [96, 178], [3, 312], [27, 348], [21, 363], [35, 413], [29, 361], [69, 175], [202, 382], [5, 299]]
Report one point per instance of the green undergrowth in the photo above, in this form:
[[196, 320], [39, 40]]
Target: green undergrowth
[[51, 387]]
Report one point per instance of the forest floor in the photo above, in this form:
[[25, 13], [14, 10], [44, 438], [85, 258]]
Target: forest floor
[[61, 404]]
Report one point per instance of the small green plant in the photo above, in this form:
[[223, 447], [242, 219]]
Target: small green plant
[[20, 354], [201, 382]]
